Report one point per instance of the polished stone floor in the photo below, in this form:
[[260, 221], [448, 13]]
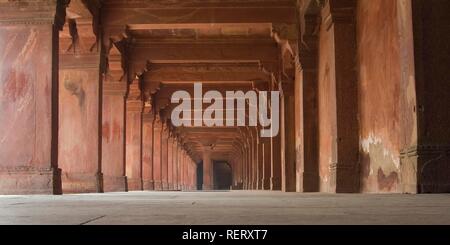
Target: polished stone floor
[[234, 207]]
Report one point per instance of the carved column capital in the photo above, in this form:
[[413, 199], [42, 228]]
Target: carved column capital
[[338, 12], [114, 88]]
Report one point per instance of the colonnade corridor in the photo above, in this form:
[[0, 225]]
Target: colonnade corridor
[[224, 112]]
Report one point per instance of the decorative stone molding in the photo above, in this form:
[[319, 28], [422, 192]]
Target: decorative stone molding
[[115, 88], [338, 12], [36, 12], [425, 169]]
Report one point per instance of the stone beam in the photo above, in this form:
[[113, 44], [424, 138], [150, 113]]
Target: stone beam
[[119, 14], [204, 72], [196, 52]]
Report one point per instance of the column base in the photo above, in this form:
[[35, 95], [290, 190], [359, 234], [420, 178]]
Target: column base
[[425, 169], [266, 184], [82, 182], [115, 183], [170, 187], [28, 181], [148, 185], [165, 186], [275, 184], [345, 178], [158, 185], [207, 187], [134, 184], [260, 184]]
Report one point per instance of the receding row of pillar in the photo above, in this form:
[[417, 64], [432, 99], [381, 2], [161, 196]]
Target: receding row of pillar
[[141, 152]]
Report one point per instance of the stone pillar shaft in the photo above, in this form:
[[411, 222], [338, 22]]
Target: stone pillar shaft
[[147, 151], [170, 163], [288, 167], [208, 183], [113, 136], [133, 159], [157, 174], [164, 157], [29, 98]]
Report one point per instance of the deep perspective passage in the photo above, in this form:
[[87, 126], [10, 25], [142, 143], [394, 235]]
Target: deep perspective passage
[[224, 112]]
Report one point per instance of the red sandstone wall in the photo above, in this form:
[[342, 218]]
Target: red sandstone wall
[[25, 97], [386, 97], [78, 129], [326, 107]]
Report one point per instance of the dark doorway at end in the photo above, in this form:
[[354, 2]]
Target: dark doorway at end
[[223, 179]]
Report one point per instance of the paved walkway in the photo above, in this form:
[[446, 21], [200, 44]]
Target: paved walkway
[[236, 207]]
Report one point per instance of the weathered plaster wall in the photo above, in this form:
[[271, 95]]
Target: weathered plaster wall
[[386, 92], [78, 129], [326, 107]]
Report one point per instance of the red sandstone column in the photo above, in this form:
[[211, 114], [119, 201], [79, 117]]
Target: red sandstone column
[[178, 166], [181, 172], [275, 178], [174, 164], [164, 156], [306, 90], [113, 136], [179, 160], [170, 163], [157, 174], [340, 105], [186, 166], [253, 162], [79, 107], [207, 171], [147, 148], [240, 162], [194, 175], [256, 164], [183, 169], [29, 97], [248, 165], [267, 156], [133, 159], [260, 183], [250, 161], [287, 128], [190, 174], [244, 167]]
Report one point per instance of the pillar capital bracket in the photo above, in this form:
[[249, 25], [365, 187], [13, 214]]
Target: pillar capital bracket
[[338, 12]]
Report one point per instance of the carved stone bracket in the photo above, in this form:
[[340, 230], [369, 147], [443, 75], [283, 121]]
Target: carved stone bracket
[[338, 12]]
